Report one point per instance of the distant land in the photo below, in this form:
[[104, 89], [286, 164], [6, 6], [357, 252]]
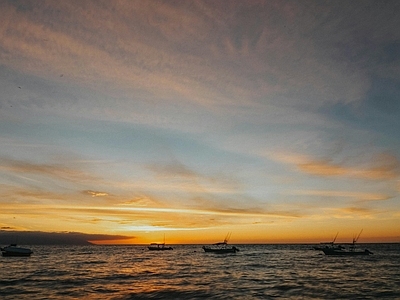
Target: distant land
[[53, 238]]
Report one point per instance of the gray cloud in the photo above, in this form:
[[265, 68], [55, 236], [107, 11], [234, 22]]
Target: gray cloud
[[58, 171], [205, 46]]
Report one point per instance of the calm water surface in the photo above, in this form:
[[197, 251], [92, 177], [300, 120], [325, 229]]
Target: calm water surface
[[256, 272]]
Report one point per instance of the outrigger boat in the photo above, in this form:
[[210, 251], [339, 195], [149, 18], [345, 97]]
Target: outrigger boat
[[221, 247], [14, 250], [352, 251]]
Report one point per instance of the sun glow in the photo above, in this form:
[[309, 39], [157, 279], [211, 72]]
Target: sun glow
[[131, 128]]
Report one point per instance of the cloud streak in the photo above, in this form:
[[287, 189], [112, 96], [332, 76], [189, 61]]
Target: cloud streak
[[95, 193], [90, 50], [58, 171], [384, 167], [345, 194]]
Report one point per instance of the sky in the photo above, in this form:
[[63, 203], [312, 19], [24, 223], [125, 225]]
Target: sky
[[275, 121]]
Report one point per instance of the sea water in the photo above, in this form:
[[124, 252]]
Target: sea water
[[256, 272]]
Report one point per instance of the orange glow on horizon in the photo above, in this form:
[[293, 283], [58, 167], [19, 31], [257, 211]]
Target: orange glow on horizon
[[252, 236], [134, 241], [144, 225]]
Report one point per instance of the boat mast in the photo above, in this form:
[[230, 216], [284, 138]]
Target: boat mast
[[228, 236], [355, 240], [335, 238]]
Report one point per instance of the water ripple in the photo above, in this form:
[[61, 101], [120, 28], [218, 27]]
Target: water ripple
[[257, 271]]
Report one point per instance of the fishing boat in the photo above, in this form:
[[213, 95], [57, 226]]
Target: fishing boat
[[329, 245], [221, 247], [345, 252], [14, 250], [159, 247], [351, 251]]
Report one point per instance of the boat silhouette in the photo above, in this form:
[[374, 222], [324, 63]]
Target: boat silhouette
[[329, 245], [351, 251], [14, 250], [221, 247], [159, 246]]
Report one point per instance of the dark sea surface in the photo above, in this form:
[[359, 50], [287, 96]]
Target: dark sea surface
[[256, 272]]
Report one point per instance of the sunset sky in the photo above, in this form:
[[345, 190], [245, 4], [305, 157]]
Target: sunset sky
[[277, 121]]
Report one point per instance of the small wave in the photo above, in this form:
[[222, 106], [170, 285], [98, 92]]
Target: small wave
[[260, 272], [168, 294]]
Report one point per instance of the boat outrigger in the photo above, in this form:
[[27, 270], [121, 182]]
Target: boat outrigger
[[352, 251], [14, 250], [221, 247]]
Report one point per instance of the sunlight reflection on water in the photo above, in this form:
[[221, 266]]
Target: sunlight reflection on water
[[257, 271]]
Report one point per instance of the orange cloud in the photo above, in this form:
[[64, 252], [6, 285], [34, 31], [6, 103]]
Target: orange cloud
[[322, 168], [95, 193], [354, 212], [384, 166], [15, 195], [344, 194], [142, 200], [121, 218]]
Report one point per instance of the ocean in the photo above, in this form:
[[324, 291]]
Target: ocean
[[256, 272]]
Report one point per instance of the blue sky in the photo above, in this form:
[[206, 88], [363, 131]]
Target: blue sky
[[274, 120]]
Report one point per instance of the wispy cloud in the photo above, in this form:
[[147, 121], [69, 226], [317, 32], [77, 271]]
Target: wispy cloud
[[137, 216], [383, 166], [142, 200], [203, 54], [356, 212], [17, 195], [178, 175], [172, 170], [57, 171], [344, 194], [95, 193], [322, 168]]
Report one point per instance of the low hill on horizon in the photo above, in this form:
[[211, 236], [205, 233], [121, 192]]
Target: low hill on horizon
[[52, 238]]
